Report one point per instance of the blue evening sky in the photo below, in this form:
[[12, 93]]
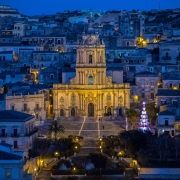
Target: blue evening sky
[[35, 7]]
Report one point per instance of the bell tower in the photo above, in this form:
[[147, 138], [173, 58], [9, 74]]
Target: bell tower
[[90, 61]]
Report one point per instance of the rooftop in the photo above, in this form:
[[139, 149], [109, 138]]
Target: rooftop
[[168, 92], [163, 113], [14, 116], [146, 74], [171, 76], [6, 145], [9, 156]]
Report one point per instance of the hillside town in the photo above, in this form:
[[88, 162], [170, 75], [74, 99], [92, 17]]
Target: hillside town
[[77, 86]]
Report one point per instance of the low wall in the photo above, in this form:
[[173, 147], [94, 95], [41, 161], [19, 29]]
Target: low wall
[[159, 173]]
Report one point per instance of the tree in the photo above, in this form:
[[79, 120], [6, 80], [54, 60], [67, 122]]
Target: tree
[[56, 128], [133, 116], [151, 112]]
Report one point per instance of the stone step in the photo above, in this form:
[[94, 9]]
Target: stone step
[[87, 150]]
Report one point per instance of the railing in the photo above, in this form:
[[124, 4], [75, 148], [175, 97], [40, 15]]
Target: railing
[[32, 132], [3, 135], [25, 109], [37, 108], [14, 135]]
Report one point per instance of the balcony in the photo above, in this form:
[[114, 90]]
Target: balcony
[[166, 58], [37, 109], [3, 135], [32, 132], [25, 109], [14, 135]]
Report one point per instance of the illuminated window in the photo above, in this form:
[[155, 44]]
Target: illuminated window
[[108, 97], [90, 80], [73, 97], [8, 175]]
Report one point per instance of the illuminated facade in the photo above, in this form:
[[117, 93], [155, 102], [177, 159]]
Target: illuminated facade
[[90, 92]]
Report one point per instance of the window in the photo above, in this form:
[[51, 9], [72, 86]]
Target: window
[[15, 132], [90, 59], [167, 54], [166, 123], [52, 76], [127, 43], [8, 175], [163, 102], [55, 58], [15, 144], [152, 95], [4, 58], [174, 102], [179, 86], [170, 85], [12, 107], [73, 97], [90, 80], [25, 107], [142, 95], [152, 83], [3, 132], [108, 97], [37, 116], [37, 106]]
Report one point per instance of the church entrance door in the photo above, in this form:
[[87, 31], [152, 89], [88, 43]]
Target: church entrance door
[[61, 112], [90, 109], [120, 111], [72, 112], [109, 111]]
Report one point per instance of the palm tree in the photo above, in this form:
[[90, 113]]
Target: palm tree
[[55, 128]]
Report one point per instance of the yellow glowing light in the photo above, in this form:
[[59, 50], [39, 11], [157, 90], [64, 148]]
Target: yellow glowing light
[[74, 168], [100, 147], [100, 139], [56, 153], [75, 147], [35, 169], [175, 88]]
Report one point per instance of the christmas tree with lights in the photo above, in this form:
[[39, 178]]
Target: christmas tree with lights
[[144, 123]]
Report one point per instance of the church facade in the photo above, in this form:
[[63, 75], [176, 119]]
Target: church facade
[[90, 92]]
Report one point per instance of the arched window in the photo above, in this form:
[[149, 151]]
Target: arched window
[[90, 80], [90, 59], [108, 97]]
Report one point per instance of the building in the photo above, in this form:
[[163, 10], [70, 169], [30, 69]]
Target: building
[[147, 83], [171, 80], [90, 92], [7, 11], [168, 99], [17, 129], [27, 101], [165, 123], [12, 164]]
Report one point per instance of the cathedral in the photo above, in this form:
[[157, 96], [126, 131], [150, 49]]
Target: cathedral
[[90, 92]]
